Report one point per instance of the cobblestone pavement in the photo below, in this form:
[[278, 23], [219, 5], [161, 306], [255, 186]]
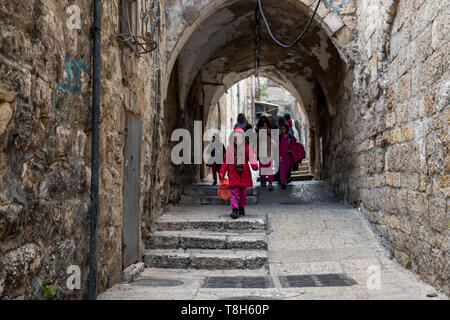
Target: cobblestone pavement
[[303, 239]]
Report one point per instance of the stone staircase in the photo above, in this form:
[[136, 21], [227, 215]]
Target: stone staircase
[[204, 194], [192, 236], [200, 238], [302, 174]]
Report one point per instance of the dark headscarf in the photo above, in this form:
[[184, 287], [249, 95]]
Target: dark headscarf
[[283, 122], [261, 123], [245, 125]]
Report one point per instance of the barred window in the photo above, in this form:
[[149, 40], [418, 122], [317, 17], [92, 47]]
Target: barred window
[[136, 23], [128, 17]]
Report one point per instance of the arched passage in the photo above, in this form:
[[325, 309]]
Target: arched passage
[[224, 103], [373, 75], [217, 48]]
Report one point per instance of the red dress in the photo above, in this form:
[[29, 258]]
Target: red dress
[[236, 179]]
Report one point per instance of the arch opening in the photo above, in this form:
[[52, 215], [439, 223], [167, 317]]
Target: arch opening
[[217, 50], [257, 97]]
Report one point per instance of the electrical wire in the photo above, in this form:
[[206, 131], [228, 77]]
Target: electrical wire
[[257, 43], [287, 46]]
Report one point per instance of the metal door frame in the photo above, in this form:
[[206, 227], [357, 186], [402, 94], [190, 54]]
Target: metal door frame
[[132, 150]]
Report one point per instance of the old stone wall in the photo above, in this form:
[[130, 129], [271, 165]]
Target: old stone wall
[[233, 102], [391, 137], [45, 134]]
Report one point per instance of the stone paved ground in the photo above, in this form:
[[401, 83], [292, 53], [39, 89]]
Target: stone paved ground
[[304, 238]]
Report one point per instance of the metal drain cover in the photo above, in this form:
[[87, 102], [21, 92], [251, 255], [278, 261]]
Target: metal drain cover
[[318, 280], [152, 282], [238, 282]]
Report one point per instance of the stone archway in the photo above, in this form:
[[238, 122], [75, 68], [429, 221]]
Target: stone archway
[[338, 21], [193, 31], [217, 107], [215, 48]]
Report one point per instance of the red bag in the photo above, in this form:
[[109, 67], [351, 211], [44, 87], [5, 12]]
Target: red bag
[[298, 151], [223, 191]]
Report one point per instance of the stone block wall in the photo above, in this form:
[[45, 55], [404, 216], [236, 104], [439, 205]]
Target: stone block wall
[[391, 137], [44, 176], [45, 134]]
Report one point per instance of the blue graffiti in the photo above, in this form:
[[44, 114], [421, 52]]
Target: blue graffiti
[[75, 66]]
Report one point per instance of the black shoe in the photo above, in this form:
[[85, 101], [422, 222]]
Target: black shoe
[[242, 212], [270, 187], [284, 186], [235, 214], [214, 183]]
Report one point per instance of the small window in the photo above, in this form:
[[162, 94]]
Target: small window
[[135, 25], [128, 17]]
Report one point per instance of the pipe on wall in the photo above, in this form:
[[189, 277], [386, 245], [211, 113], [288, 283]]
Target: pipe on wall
[[95, 153], [155, 134]]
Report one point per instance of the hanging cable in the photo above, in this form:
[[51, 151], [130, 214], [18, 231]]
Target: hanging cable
[[287, 46], [257, 39], [257, 48]]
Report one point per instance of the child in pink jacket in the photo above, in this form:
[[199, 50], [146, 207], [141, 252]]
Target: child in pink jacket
[[239, 174], [285, 153]]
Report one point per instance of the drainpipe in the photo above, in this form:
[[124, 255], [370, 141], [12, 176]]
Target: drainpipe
[[95, 154], [219, 115], [155, 133]]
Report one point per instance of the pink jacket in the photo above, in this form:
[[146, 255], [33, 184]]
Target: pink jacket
[[297, 150], [236, 179], [285, 144]]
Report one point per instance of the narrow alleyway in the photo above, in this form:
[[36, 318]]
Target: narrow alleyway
[[304, 235], [107, 111]]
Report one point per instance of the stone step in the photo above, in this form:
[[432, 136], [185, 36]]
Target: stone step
[[206, 259], [302, 177], [301, 172], [296, 177], [201, 190], [212, 223], [206, 240], [212, 200], [298, 193]]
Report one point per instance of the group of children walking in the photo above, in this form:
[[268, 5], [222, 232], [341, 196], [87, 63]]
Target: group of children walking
[[239, 154]]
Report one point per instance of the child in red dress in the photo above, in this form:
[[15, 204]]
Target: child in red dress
[[237, 156]]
